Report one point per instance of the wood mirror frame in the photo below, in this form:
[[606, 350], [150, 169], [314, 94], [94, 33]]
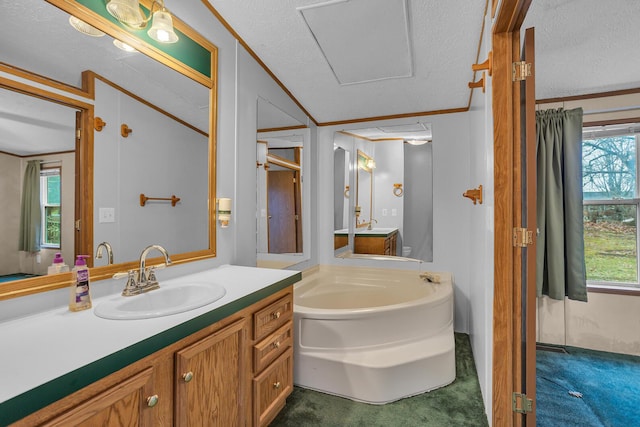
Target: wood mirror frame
[[51, 90]]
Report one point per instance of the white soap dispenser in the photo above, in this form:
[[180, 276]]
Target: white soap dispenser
[[58, 265]]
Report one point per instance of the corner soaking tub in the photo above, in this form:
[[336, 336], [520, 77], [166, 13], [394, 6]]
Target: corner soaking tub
[[373, 335]]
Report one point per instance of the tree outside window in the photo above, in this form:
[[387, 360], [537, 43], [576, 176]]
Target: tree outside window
[[610, 194]]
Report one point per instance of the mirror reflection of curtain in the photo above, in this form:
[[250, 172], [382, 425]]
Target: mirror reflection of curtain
[[418, 201], [338, 188], [560, 251], [30, 214]]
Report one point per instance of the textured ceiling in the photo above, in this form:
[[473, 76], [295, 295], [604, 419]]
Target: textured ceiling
[[585, 46], [443, 38]]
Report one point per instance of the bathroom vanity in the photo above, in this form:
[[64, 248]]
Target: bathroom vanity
[[229, 363], [378, 241]]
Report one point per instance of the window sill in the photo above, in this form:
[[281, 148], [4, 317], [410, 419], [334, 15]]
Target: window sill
[[615, 290]]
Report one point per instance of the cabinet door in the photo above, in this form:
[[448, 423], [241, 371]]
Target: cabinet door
[[271, 388], [210, 379], [129, 403]]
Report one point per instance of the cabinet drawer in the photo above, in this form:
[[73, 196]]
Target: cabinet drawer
[[272, 317], [272, 346], [271, 388]]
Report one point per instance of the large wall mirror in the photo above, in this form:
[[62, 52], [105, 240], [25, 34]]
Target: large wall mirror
[[383, 192], [119, 135], [282, 153]]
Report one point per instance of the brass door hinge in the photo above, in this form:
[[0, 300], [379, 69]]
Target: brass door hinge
[[527, 404], [522, 237], [77, 225], [520, 71]]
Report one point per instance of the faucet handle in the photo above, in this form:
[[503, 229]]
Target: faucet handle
[[132, 282], [123, 274]]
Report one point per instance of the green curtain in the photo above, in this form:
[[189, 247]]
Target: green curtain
[[30, 214], [560, 251]]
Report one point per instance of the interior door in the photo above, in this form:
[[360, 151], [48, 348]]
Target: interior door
[[281, 211], [529, 223]]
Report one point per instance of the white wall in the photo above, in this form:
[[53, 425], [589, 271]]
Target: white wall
[[481, 230], [389, 157], [10, 191], [160, 158]]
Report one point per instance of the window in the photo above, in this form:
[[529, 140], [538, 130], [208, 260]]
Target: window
[[610, 204], [50, 191]]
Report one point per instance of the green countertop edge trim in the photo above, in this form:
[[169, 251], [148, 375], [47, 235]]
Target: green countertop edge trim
[[185, 50], [37, 398]]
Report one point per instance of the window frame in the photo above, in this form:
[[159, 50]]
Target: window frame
[[44, 174], [629, 129]]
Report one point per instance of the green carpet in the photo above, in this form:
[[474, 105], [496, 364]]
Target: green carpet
[[605, 388], [458, 404]]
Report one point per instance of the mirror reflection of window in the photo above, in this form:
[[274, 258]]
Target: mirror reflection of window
[[50, 202]]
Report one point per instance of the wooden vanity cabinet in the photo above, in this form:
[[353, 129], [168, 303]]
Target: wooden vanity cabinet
[[377, 245], [210, 378], [129, 403], [272, 359], [236, 372], [370, 244]]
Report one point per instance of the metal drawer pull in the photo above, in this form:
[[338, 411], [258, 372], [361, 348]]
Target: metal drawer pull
[[276, 315], [187, 377], [276, 385], [152, 400], [276, 344]]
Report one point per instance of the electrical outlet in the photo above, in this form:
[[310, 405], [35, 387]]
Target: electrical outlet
[[106, 215], [385, 212]]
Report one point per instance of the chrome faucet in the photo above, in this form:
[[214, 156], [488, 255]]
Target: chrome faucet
[[371, 222], [144, 279], [109, 250]]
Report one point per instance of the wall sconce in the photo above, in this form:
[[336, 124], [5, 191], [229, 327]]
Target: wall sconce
[[224, 212], [128, 12], [371, 164]]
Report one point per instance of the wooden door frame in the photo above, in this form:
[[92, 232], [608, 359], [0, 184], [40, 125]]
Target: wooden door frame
[[507, 316]]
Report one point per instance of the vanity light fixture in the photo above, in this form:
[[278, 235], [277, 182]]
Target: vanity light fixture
[[84, 28], [128, 12], [123, 46], [417, 141], [371, 164]]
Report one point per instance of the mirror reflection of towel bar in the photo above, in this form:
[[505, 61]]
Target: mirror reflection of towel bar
[[173, 199]]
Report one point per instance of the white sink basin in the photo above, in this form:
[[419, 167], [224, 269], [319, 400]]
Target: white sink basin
[[161, 302]]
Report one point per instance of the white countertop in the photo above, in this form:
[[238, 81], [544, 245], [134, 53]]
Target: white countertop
[[42, 347]]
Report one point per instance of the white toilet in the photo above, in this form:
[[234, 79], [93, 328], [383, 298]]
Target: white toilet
[[406, 251]]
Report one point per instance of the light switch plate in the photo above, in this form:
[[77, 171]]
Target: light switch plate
[[106, 215]]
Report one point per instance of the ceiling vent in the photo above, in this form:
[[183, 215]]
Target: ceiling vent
[[362, 40]]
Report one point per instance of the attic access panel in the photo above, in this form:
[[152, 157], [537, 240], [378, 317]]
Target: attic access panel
[[362, 40]]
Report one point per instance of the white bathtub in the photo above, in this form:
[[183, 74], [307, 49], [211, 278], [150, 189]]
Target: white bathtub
[[373, 335]]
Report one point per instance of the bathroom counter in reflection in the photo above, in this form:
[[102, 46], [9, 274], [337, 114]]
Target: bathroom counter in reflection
[[49, 355], [377, 241]]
